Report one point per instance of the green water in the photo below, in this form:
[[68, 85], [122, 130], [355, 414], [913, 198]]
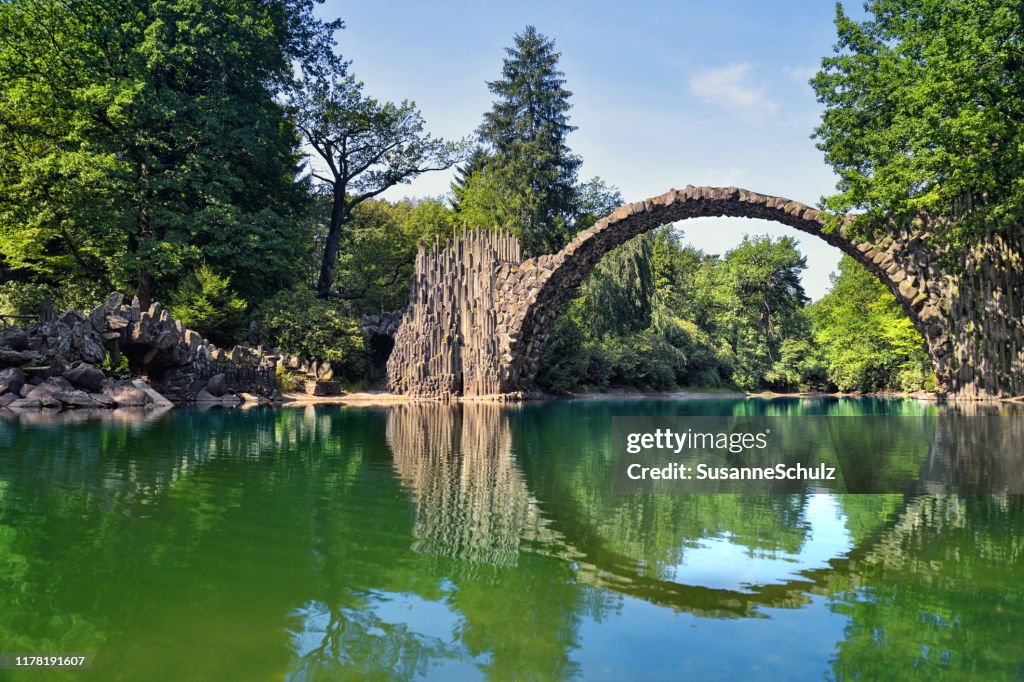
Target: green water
[[425, 541]]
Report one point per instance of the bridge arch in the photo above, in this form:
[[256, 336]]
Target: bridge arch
[[479, 315], [546, 283]]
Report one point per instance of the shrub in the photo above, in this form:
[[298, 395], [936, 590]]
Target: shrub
[[204, 302], [27, 298], [565, 359], [299, 323]]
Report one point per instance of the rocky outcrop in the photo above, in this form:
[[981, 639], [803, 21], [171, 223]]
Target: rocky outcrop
[[385, 324], [449, 341], [55, 362]]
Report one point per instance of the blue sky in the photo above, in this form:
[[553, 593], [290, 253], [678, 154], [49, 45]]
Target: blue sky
[[665, 93]]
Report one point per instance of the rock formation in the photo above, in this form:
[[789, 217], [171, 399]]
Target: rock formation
[[479, 316], [55, 363]]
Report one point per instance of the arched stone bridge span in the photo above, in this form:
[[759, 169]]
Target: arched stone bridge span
[[479, 316]]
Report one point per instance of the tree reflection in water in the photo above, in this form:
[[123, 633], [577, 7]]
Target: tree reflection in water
[[453, 541]]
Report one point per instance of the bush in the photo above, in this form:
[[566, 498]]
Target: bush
[[27, 298], [205, 303], [286, 381], [700, 362], [299, 323], [565, 359]]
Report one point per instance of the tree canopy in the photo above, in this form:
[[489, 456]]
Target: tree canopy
[[923, 114], [143, 138]]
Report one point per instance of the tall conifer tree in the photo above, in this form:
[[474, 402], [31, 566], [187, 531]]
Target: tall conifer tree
[[527, 131]]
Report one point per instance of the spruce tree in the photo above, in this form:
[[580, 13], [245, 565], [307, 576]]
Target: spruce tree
[[526, 132], [475, 164]]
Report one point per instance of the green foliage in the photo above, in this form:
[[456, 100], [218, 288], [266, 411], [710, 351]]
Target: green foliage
[[922, 115], [594, 200], [378, 262], [866, 340], [27, 298], [205, 303], [474, 164], [618, 294], [367, 146], [121, 370], [285, 381], [622, 331], [300, 323], [531, 174], [142, 138], [753, 304]]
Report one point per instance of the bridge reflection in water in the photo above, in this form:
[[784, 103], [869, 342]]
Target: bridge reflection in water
[[458, 541], [486, 490], [707, 554]]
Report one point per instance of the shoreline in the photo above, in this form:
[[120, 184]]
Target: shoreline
[[383, 398]]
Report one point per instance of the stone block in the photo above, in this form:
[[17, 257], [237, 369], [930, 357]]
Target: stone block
[[11, 380], [323, 388], [86, 377]]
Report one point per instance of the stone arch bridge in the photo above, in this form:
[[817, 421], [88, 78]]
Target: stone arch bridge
[[479, 315]]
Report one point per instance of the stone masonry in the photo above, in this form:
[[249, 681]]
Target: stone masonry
[[479, 316]]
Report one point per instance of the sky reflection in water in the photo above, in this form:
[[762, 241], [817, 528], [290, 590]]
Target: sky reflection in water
[[428, 541]]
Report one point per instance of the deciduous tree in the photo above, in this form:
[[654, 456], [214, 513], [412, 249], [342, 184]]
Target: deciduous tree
[[924, 107], [142, 138], [366, 147]]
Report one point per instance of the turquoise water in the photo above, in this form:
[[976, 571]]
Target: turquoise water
[[428, 541]]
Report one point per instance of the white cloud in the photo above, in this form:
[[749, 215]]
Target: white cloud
[[729, 87], [800, 74]]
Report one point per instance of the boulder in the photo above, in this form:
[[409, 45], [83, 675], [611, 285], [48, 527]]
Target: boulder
[[72, 317], [86, 376], [14, 339], [98, 319], [50, 402], [26, 404], [204, 396], [217, 385], [11, 380], [49, 387], [91, 348], [231, 400], [15, 358], [155, 399], [324, 371], [114, 301], [104, 401], [323, 388], [116, 322], [125, 394], [8, 398], [75, 398]]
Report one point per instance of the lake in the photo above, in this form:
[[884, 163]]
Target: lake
[[485, 541]]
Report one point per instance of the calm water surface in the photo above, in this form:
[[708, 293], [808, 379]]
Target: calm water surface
[[425, 541]]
